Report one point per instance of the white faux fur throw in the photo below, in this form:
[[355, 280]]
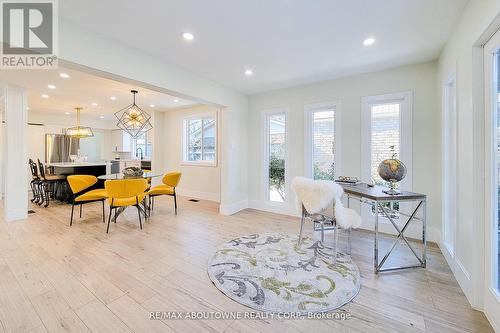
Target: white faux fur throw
[[319, 195]]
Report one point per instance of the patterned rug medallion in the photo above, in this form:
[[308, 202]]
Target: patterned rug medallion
[[268, 272]]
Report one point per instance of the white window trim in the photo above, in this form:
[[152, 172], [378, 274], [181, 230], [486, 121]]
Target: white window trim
[[448, 178], [265, 158], [309, 110], [201, 116], [406, 128]]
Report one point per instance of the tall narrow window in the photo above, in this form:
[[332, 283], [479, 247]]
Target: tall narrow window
[[200, 140], [449, 165], [386, 132], [321, 140], [275, 131], [385, 136]]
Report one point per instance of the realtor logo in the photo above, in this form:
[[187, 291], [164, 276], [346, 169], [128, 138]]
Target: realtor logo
[[29, 34]]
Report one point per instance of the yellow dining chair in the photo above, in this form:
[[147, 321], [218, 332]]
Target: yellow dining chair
[[170, 182], [125, 192], [78, 185]]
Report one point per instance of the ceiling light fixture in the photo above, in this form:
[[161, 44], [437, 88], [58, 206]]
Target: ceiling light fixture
[[94, 104], [67, 113], [133, 120], [51, 86], [248, 72], [187, 36], [79, 131], [113, 98], [151, 105], [176, 101], [102, 117], [64, 75], [369, 41], [45, 96]]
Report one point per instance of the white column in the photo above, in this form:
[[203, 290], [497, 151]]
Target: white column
[[16, 160], [158, 157]]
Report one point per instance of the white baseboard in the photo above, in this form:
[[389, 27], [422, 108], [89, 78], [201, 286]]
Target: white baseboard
[[233, 208], [274, 207], [198, 194], [459, 271]]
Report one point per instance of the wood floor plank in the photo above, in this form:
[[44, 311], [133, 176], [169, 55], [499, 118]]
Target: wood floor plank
[[56, 314], [16, 311], [98, 318], [135, 316]]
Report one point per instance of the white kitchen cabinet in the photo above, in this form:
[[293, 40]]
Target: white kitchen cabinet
[[121, 141]]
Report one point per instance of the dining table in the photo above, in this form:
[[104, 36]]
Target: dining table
[[115, 176], [119, 176]]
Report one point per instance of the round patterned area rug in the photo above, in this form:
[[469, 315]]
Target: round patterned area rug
[[268, 272]]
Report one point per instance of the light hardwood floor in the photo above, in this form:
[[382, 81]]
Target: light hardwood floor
[[59, 278]]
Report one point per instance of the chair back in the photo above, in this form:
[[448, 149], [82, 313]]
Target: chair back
[[125, 188], [316, 195], [172, 178], [78, 183], [33, 169], [41, 169]]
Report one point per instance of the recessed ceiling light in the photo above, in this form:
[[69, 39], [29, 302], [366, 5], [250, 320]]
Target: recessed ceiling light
[[187, 36], [67, 113], [248, 72], [369, 41], [151, 105], [45, 96], [51, 86], [113, 98], [27, 108], [64, 75], [102, 117], [176, 100], [94, 104]]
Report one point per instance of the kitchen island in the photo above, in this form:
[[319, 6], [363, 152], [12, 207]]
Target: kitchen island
[[80, 168]]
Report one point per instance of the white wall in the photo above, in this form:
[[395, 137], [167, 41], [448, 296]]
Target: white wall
[[457, 58], [202, 182], [420, 78]]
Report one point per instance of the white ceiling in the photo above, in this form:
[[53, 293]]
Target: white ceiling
[[83, 89], [285, 42]]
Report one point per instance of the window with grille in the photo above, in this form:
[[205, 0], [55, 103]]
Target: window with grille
[[200, 140]]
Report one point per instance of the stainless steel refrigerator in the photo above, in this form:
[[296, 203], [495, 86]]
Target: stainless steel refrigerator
[[58, 147]]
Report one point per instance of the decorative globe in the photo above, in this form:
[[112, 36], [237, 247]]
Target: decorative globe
[[392, 170]]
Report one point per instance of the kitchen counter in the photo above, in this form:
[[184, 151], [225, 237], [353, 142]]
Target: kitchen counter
[[77, 164]]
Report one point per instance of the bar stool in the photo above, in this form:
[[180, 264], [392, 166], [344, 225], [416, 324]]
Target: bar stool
[[50, 184], [35, 183]]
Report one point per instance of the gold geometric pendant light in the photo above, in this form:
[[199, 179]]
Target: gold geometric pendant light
[[133, 120], [79, 131]]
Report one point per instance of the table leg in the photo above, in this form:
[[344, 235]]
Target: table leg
[[375, 254], [424, 238]]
